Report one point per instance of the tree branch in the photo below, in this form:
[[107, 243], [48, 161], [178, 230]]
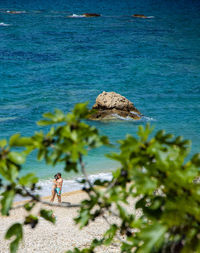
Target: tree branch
[[63, 205], [38, 200], [84, 173], [118, 237]]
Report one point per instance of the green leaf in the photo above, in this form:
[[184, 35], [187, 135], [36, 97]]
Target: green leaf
[[3, 143], [110, 233], [4, 170], [16, 157], [44, 122], [48, 115], [80, 110], [196, 160], [41, 154], [6, 201], [122, 212], [14, 230], [13, 139], [152, 236], [29, 206], [14, 172], [28, 179], [159, 135], [58, 116], [47, 215], [144, 132], [31, 220], [16, 140], [83, 218]]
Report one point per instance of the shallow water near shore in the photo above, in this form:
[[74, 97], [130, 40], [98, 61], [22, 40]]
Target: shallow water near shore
[[51, 61]]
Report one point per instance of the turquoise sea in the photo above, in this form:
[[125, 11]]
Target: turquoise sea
[[48, 61]]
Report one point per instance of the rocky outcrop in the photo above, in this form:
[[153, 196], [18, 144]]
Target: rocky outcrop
[[110, 105], [139, 16], [90, 15]]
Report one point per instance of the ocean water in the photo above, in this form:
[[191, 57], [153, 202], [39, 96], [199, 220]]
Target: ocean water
[[48, 60]]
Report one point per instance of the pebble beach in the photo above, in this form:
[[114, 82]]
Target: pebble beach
[[58, 238]]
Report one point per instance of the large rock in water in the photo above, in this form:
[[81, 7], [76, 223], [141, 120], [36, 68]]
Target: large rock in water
[[110, 105]]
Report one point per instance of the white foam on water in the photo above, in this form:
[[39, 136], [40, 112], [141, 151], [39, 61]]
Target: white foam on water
[[148, 118], [143, 118], [7, 118], [15, 12], [4, 24], [76, 16], [12, 106], [68, 185], [135, 113], [121, 118]]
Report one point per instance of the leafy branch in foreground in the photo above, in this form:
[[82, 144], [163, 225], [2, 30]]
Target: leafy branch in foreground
[[159, 176], [68, 139], [152, 193]]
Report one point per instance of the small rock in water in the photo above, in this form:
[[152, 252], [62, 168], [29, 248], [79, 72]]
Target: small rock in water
[[88, 15], [139, 16], [15, 12], [110, 105]]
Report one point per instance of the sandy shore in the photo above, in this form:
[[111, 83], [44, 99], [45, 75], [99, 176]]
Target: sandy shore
[[64, 235]]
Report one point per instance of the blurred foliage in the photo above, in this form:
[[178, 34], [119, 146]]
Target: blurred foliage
[[156, 179]]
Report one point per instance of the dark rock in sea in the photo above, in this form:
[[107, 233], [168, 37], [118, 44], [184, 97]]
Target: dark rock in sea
[[89, 15], [139, 16], [110, 105]]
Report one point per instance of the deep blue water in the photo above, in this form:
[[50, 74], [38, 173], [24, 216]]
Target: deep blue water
[[50, 61]]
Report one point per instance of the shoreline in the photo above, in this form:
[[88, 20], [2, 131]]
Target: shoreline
[[64, 194], [69, 185]]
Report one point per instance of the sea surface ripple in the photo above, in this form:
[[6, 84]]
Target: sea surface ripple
[[51, 61]]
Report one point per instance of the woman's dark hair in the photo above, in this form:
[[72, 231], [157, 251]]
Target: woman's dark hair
[[56, 176], [59, 174]]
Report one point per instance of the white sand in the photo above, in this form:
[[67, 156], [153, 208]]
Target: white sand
[[64, 235]]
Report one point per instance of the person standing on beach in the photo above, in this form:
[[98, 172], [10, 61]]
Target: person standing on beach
[[53, 191], [58, 189]]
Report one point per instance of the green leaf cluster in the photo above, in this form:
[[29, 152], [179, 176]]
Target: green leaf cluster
[[156, 173], [65, 141]]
